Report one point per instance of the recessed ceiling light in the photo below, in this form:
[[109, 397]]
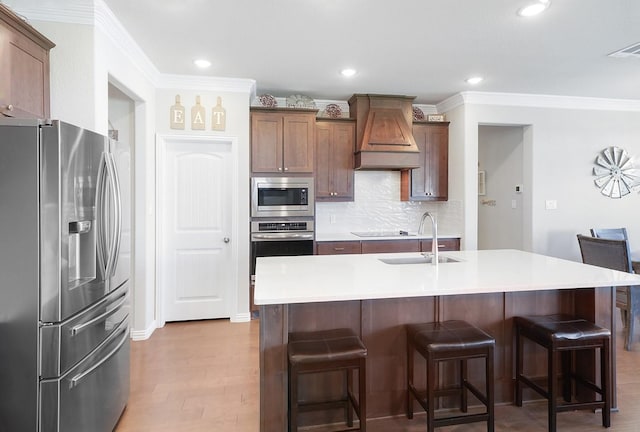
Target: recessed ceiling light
[[474, 80], [348, 72], [534, 8], [202, 63]]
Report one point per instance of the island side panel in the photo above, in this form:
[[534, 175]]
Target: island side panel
[[273, 368], [384, 333]]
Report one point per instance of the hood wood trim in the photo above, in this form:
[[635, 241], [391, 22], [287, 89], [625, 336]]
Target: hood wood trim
[[384, 139]]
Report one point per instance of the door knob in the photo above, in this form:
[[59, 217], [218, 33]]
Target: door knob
[[226, 239]]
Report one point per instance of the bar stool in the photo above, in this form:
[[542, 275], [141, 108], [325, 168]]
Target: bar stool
[[456, 341], [326, 351], [565, 335]]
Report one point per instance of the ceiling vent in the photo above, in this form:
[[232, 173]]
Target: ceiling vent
[[630, 51]]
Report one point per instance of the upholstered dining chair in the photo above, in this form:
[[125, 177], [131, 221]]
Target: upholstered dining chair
[[622, 293], [614, 254]]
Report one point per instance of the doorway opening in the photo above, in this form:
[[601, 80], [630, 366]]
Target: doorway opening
[[504, 190]]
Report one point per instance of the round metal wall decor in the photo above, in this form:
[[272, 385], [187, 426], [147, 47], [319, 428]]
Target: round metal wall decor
[[615, 173]]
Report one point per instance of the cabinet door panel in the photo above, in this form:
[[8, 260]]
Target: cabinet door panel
[[299, 131], [429, 182], [323, 160], [390, 246], [335, 144], [266, 143], [24, 68], [444, 244], [338, 248], [343, 149], [29, 77], [437, 163]]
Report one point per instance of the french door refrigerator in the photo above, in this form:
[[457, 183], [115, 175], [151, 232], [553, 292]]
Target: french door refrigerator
[[64, 278]]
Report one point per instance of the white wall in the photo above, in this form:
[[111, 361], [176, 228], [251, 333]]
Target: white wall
[[561, 145], [236, 104]]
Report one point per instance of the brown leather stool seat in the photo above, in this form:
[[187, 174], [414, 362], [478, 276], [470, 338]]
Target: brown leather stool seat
[[326, 351], [566, 335], [456, 341]]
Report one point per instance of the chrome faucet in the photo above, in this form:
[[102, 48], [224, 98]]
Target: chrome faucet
[[434, 232]]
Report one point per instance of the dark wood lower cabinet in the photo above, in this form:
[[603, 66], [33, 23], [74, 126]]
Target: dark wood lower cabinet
[[381, 324], [384, 246]]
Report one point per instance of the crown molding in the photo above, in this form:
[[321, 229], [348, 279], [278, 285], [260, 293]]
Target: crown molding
[[197, 82], [537, 101], [112, 28], [450, 103], [71, 13]]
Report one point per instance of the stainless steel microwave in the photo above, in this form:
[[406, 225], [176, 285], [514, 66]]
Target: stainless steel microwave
[[282, 196]]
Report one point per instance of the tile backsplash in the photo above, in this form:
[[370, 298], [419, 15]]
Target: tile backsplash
[[377, 206]]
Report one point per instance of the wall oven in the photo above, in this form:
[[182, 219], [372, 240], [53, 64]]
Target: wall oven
[[282, 197], [280, 238]]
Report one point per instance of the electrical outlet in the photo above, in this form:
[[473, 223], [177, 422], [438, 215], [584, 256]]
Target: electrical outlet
[[551, 204]]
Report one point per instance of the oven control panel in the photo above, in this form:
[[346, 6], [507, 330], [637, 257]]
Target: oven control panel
[[281, 226]]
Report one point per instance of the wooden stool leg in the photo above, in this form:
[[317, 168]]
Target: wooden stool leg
[[490, 390], [566, 375], [293, 399], [431, 391], [519, 366], [605, 382], [409, 379], [347, 404], [362, 396], [463, 387], [552, 370]]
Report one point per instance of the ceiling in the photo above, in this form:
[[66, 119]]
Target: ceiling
[[422, 48]]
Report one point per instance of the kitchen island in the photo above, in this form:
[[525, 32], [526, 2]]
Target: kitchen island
[[376, 299]]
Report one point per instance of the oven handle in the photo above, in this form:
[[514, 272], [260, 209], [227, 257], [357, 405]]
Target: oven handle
[[282, 236]]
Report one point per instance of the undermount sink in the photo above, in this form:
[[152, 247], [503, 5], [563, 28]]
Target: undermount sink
[[418, 260]]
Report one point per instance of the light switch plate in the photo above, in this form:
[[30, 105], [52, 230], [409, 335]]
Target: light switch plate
[[551, 204]]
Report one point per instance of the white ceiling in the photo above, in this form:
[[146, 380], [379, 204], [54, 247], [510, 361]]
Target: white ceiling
[[423, 48]]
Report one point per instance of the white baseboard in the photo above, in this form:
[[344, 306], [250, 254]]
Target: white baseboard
[[138, 335], [241, 317]]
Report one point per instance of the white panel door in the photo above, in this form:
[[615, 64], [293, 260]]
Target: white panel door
[[196, 225]]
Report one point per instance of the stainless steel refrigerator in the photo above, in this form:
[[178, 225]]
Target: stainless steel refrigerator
[[65, 260]]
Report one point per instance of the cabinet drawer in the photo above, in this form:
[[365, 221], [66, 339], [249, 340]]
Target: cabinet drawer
[[338, 247], [389, 246], [444, 244]]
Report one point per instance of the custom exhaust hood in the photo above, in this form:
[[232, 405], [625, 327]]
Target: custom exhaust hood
[[383, 132]]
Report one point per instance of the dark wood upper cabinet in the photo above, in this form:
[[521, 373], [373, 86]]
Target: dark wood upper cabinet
[[24, 68], [282, 141], [335, 145], [430, 182]]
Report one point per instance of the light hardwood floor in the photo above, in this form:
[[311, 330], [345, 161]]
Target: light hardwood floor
[[203, 376]]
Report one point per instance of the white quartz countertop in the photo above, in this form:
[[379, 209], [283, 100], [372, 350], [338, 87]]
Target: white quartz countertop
[[323, 278], [320, 237]]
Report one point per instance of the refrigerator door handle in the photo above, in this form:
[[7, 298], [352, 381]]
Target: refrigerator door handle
[[77, 329], [76, 379], [100, 215], [114, 244]]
